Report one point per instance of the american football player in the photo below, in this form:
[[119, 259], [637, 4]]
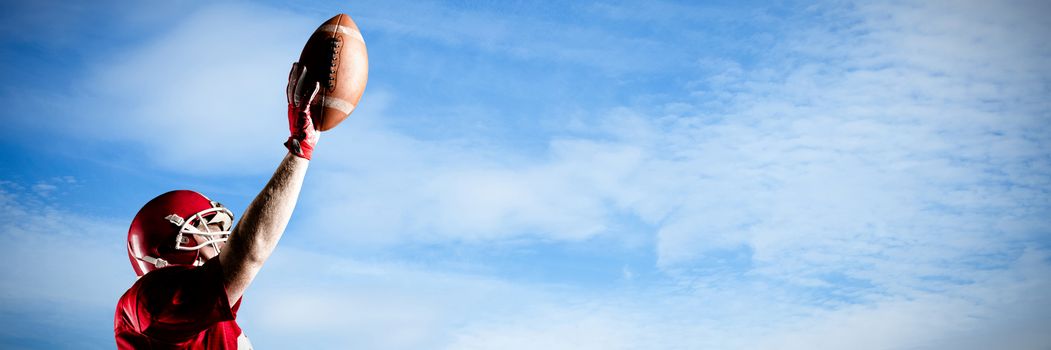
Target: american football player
[[193, 268]]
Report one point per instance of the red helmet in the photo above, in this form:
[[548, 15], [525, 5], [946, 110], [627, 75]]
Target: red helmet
[[166, 230]]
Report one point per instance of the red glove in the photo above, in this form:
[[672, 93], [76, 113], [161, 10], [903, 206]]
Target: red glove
[[300, 124]]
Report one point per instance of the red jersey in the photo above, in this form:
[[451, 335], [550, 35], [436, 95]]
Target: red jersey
[[179, 307]]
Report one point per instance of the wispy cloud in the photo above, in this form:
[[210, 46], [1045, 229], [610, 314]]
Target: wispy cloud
[[198, 94], [64, 271], [759, 316]]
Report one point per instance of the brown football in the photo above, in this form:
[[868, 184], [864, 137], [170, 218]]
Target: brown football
[[335, 57]]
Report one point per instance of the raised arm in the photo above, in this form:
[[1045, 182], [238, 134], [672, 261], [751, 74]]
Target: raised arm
[[261, 226], [265, 219]]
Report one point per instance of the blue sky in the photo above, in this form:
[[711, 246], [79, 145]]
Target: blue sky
[[554, 175]]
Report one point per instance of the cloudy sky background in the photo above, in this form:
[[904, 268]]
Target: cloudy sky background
[[537, 175]]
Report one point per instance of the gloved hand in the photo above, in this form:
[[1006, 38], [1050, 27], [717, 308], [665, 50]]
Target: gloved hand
[[304, 136]]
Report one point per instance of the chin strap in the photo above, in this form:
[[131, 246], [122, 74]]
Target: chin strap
[[157, 262]]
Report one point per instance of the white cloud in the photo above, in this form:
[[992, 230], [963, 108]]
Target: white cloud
[[379, 186], [552, 330], [63, 271], [306, 298], [997, 312], [523, 37], [200, 98], [44, 189]]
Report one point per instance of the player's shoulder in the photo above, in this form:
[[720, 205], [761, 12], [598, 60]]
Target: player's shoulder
[[154, 280], [172, 279], [163, 276], [165, 283], [159, 283], [135, 305]]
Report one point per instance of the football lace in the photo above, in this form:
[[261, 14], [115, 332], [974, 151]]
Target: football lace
[[334, 45]]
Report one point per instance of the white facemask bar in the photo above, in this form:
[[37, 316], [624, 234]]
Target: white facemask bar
[[189, 225]]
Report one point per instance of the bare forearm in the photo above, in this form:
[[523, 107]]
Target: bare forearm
[[261, 226]]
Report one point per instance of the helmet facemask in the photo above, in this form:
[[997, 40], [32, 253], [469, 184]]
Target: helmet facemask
[[200, 225]]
